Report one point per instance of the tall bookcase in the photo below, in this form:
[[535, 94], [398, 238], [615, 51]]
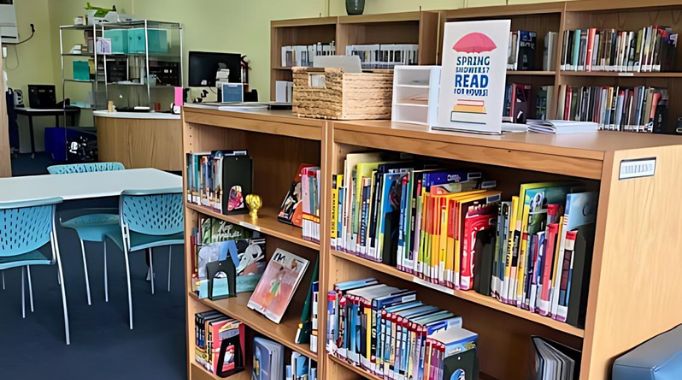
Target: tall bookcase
[[277, 142], [425, 28], [633, 293], [396, 28]]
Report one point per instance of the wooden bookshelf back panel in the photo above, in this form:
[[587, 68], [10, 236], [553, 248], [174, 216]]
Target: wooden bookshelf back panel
[[497, 331], [630, 20], [298, 35], [404, 32]]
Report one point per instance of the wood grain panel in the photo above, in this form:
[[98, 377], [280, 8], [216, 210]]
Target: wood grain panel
[[578, 167], [5, 163], [141, 143], [634, 291]]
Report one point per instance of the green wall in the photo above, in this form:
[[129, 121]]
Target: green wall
[[211, 25]]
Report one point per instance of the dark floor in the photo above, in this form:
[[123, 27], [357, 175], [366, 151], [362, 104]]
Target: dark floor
[[102, 347]]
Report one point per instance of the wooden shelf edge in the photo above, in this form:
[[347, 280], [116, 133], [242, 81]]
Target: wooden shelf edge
[[617, 74], [470, 296], [300, 348], [196, 368], [353, 368], [531, 73], [284, 233]]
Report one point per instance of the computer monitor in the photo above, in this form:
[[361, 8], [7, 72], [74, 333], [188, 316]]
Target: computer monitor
[[203, 67]]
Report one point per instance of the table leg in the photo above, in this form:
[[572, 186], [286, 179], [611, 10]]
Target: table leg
[[33, 143]]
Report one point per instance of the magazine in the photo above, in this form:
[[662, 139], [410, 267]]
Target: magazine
[[278, 284]]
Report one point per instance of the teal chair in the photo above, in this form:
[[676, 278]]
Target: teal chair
[[148, 219], [28, 227], [95, 224]]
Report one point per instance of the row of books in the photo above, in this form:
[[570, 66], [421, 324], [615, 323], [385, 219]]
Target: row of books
[[540, 250], [301, 205], [269, 363], [385, 56], [385, 212], [650, 49], [215, 241], [219, 343], [386, 331], [219, 180], [439, 225], [523, 102], [632, 109], [522, 50], [304, 55]]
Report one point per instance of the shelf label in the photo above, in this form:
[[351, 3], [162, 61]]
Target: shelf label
[[433, 286], [249, 226], [626, 74], [644, 167]]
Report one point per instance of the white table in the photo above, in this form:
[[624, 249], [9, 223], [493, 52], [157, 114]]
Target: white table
[[85, 185]]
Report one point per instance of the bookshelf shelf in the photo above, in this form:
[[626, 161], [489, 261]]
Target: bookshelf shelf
[[200, 373], [470, 296], [266, 223], [531, 73], [356, 370], [282, 333], [621, 74]]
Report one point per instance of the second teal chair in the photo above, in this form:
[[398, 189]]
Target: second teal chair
[[95, 224], [148, 219]]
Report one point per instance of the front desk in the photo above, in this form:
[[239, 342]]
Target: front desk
[[140, 140]]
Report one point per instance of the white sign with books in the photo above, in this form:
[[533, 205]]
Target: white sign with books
[[473, 77]]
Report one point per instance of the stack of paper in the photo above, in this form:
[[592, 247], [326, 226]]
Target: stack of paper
[[559, 127]]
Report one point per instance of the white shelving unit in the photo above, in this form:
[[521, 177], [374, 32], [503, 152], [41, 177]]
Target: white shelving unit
[[415, 94]]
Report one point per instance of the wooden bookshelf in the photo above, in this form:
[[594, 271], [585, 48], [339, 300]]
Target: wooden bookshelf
[[278, 143], [396, 28], [625, 252]]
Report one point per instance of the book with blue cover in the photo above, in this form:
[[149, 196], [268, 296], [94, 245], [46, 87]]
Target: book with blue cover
[[268, 360]]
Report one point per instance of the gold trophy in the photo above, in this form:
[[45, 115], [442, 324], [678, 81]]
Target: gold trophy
[[254, 202]]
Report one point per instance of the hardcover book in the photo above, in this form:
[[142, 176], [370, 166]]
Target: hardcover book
[[278, 284]]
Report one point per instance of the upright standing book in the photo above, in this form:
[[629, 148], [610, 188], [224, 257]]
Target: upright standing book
[[278, 284]]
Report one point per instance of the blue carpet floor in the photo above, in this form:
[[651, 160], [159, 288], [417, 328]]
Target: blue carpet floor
[[102, 347]]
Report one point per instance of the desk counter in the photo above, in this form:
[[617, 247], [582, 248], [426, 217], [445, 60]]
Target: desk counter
[[140, 139]]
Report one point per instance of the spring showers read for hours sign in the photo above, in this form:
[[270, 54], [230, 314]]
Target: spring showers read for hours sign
[[473, 76]]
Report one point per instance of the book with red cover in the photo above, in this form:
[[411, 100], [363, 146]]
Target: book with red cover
[[290, 210]]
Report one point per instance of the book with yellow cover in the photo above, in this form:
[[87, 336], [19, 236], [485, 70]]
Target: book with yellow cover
[[509, 260]]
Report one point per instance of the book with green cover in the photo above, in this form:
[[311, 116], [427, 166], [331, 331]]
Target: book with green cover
[[305, 326]]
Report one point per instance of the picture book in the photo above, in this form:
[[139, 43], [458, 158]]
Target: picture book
[[290, 209], [247, 255], [268, 360], [278, 284]]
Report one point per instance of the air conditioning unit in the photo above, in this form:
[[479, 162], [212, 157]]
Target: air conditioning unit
[[8, 22]]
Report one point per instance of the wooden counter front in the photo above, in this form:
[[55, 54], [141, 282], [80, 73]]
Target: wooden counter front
[[140, 143]]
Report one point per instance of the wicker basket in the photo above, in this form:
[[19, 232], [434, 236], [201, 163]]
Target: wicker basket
[[330, 93]]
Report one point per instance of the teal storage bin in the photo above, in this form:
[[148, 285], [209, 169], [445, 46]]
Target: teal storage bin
[[81, 70], [158, 41], [119, 40]]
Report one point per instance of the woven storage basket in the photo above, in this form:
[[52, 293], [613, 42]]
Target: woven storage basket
[[330, 93]]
